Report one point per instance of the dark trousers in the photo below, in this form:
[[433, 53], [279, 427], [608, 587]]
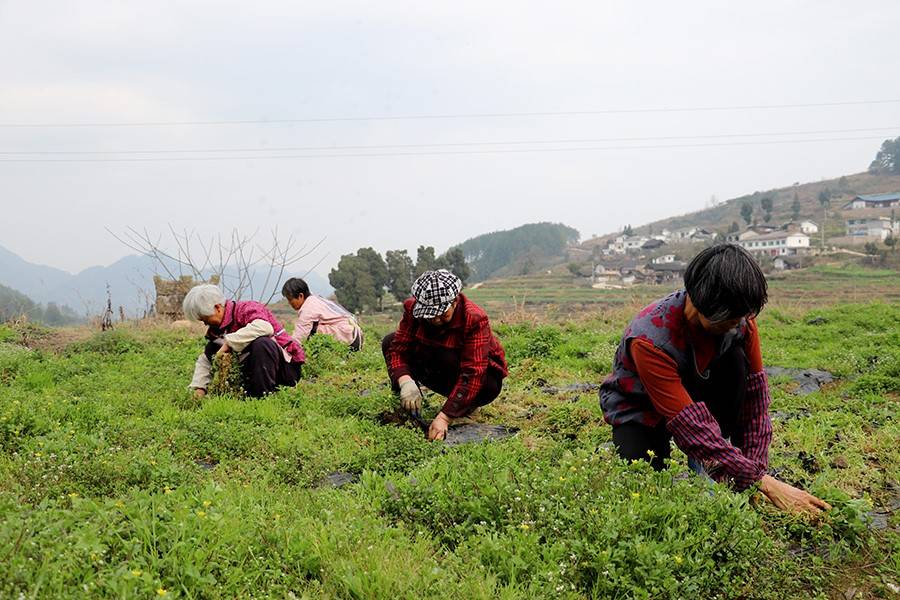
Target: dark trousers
[[723, 392], [438, 370], [263, 367]]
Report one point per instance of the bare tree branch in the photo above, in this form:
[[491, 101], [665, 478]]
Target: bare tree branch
[[237, 259]]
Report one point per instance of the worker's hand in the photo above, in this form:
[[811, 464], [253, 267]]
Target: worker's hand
[[225, 349], [438, 429], [790, 499], [410, 396], [199, 392]]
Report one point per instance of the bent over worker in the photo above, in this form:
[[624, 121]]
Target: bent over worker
[[444, 342], [268, 356], [689, 368], [320, 315]]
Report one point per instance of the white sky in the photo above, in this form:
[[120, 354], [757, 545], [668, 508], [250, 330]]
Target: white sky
[[225, 60]]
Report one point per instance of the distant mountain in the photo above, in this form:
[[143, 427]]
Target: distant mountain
[[130, 282], [517, 251]]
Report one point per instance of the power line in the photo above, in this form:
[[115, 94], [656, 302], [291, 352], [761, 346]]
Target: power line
[[493, 115], [441, 144], [433, 153]]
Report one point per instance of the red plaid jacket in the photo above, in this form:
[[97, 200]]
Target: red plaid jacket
[[469, 333]]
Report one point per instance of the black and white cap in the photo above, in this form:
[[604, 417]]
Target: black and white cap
[[434, 292]]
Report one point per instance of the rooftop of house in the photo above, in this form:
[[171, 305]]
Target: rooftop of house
[[672, 266], [878, 197], [776, 235]]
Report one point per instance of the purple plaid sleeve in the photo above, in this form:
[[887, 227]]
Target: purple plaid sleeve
[[754, 432], [698, 435]]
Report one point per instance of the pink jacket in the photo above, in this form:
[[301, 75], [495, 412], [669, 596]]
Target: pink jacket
[[319, 315]]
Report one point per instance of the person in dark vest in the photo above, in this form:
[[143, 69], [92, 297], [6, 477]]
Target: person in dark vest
[[689, 369], [444, 342], [269, 357]]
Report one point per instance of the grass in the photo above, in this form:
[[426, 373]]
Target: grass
[[116, 483]]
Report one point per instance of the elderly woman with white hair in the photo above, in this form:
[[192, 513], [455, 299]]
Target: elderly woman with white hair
[[269, 357]]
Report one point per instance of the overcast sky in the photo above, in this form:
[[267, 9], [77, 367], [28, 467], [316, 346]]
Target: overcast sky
[[223, 61]]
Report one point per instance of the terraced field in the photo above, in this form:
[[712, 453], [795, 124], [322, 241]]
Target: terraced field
[[803, 288]]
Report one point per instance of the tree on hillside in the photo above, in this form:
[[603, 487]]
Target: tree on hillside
[[378, 270], [353, 284], [824, 202], [400, 270], [887, 160], [734, 227], [767, 204], [455, 261], [871, 250], [747, 212], [795, 207], [53, 315], [628, 231], [425, 259]]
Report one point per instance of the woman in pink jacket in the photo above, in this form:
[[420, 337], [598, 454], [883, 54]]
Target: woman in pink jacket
[[320, 315]]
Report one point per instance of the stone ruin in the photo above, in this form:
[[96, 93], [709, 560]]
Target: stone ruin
[[170, 294]]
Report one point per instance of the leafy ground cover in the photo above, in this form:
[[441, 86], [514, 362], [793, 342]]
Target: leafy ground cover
[[116, 483]]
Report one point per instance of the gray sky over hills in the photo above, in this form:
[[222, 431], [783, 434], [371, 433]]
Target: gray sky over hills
[[438, 180]]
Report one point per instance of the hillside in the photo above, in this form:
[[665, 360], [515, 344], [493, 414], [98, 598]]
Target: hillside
[[720, 217], [517, 251]]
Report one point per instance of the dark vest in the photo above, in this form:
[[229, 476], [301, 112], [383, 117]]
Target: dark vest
[[622, 395]]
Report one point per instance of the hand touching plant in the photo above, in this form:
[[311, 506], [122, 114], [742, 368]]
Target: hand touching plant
[[790, 499], [438, 429]]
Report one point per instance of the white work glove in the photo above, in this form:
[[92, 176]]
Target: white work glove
[[410, 396]]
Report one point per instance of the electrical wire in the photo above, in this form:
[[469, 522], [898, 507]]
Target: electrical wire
[[430, 153], [490, 115], [439, 145]]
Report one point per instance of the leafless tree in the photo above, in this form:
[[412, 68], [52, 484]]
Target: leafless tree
[[238, 259]]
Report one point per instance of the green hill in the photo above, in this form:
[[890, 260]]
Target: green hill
[[517, 251]]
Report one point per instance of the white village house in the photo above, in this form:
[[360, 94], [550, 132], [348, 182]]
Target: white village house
[[664, 259], [808, 227], [624, 243], [777, 243], [873, 201], [873, 227]]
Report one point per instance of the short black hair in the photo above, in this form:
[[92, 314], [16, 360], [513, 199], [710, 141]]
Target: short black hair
[[293, 287], [725, 282]]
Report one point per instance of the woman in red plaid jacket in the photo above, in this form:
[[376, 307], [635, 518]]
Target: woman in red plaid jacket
[[444, 342], [689, 368]]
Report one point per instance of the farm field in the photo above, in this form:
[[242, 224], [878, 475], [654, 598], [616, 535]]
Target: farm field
[[116, 483], [807, 288]]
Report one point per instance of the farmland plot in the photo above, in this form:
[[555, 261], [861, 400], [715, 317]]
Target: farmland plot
[[116, 483]]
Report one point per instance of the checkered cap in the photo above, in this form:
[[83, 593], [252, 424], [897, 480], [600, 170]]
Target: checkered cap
[[434, 292]]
